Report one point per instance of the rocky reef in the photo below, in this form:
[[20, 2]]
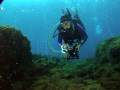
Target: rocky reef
[[109, 50], [14, 53], [98, 73], [21, 70], [69, 75]]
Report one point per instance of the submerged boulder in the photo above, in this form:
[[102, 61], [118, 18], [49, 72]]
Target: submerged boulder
[[109, 50], [14, 52]]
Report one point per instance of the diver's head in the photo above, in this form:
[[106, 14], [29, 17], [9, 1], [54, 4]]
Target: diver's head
[[66, 25], [65, 22]]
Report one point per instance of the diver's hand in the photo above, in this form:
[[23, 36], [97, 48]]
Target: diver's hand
[[77, 48]]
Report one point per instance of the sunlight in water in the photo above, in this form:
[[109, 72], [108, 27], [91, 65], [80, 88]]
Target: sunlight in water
[[95, 19]]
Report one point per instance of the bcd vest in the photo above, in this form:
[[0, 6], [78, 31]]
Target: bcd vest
[[70, 34]]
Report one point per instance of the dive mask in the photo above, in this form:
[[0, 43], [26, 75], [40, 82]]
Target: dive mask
[[66, 24]]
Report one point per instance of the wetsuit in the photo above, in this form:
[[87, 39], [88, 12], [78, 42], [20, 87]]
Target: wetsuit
[[79, 35]]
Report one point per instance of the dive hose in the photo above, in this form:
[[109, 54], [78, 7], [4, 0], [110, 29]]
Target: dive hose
[[49, 38]]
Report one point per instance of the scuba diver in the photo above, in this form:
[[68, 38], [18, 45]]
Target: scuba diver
[[73, 33]]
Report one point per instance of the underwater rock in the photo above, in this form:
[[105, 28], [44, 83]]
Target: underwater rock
[[40, 57], [14, 52], [36, 56], [109, 50]]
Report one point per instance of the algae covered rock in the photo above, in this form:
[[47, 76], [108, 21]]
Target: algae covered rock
[[14, 51], [109, 50], [13, 45]]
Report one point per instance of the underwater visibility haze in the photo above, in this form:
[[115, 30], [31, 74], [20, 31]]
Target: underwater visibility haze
[[27, 62], [36, 18]]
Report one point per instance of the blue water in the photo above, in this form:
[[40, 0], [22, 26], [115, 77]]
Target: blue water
[[36, 18]]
